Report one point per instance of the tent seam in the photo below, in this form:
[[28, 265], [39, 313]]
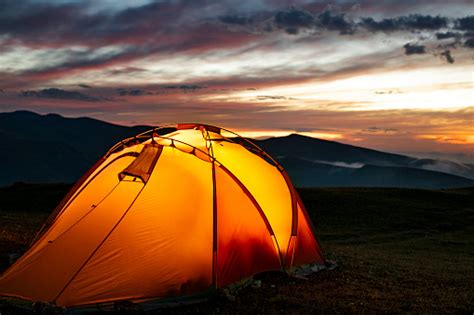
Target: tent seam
[[93, 207], [205, 135], [259, 210], [102, 242], [71, 196]]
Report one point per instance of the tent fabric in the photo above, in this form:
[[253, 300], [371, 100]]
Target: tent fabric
[[163, 217], [143, 165]]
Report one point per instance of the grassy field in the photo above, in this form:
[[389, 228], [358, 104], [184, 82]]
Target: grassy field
[[398, 251]]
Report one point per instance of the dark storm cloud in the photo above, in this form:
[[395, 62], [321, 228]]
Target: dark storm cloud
[[336, 22], [410, 22], [423, 22], [76, 21], [295, 19], [54, 93], [384, 25], [28, 18], [414, 49], [132, 92], [135, 33], [163, 28], [66, 23], [447, 55], [465, 23], [58, 23], [236, 19], [446, 35]]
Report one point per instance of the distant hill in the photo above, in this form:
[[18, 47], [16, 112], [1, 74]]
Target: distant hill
[[321, 163], [305, 173], [51, 148]]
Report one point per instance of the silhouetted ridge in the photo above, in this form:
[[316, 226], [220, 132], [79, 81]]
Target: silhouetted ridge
[[53, 148]]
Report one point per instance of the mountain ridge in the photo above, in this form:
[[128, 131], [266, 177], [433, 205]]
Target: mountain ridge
[[53, 148], [320, 150]]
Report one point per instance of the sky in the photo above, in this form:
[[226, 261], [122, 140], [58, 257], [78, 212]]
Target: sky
[[391, 75]]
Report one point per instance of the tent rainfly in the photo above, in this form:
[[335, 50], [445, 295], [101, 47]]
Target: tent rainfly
[[168, 215]]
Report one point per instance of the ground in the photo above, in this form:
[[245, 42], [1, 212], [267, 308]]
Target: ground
[[397, 250]]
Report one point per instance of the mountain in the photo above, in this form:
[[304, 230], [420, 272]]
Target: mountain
[[344, 155], [52, 148], [306, 173], [315, 162]]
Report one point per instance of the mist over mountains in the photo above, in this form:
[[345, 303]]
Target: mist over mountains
[[317, 162], [52, 148]]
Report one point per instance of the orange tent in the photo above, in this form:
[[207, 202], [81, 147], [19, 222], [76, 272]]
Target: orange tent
[[165, 216]]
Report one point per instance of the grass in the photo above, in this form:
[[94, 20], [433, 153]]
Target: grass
[[398, 251]]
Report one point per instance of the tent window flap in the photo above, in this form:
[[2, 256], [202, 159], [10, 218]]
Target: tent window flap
[[143, 165]]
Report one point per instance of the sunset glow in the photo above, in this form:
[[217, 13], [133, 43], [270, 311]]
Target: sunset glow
[[336, 71]]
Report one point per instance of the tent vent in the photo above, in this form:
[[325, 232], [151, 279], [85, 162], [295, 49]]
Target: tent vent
[[143, 165]]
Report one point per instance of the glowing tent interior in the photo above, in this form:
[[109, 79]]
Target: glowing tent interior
[[171, 213]]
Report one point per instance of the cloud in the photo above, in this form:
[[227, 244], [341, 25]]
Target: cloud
[[375, 129], [445, 35], [302, 19], [447, 55], [256, 116], [76, 21], [388, 92], [70, 61], [336, 22], [54, 93], [294, 19], [113, 39], [132, 92], [236, 19], [85, 86], [384, 25], [126, 70], [337, 163], [423, 22], [25, 20], [185, 87], [414, 49], [469, 43], [465, 23], [410, 22], [82, 41], [271, 97], [449, 167]]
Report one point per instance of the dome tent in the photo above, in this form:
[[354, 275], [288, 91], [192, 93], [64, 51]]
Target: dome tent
[[170, 214]]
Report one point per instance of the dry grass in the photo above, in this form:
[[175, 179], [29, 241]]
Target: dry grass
[[398, 251]]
